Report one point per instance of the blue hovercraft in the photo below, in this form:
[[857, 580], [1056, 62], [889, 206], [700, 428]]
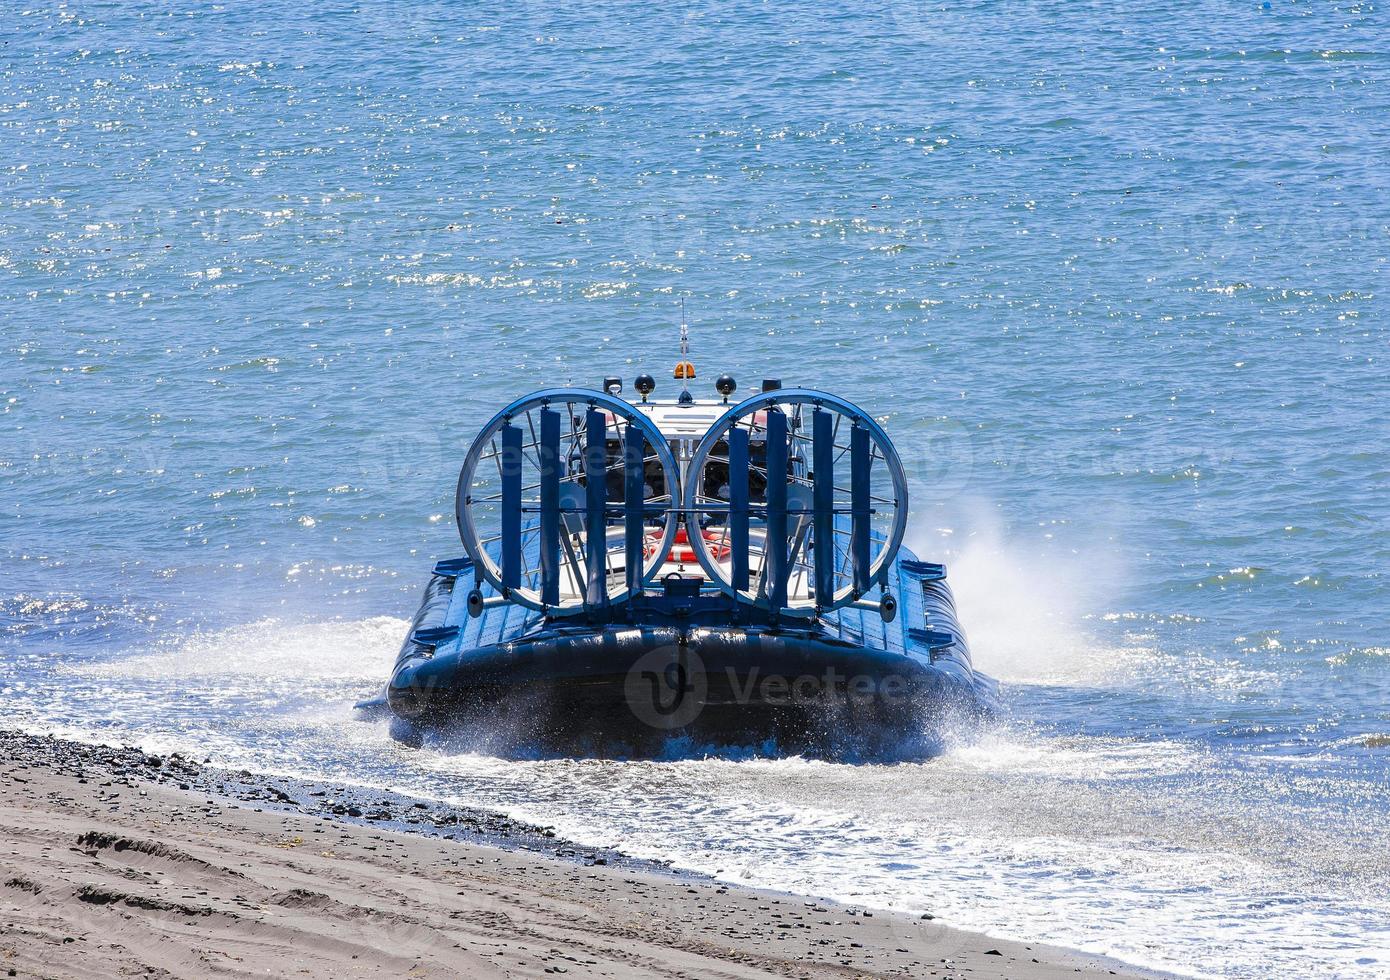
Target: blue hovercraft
[[638, 571]]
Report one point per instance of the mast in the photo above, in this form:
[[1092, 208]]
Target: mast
[[685, 370]]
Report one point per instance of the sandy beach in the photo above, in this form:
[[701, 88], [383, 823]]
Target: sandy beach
[[120, 864]]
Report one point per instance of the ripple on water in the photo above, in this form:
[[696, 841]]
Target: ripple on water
[[1111, 275]]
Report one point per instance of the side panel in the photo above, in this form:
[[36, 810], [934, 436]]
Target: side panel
[[738, 507], [549, 451], [511, 506], [823, 434], [634, 503], [776, 560], [596, 494]]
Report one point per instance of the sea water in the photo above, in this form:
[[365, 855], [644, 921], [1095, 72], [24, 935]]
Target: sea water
[[1112, 275]]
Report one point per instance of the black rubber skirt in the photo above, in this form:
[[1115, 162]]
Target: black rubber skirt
[[626, 688]]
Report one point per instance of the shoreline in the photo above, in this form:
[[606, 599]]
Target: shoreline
[[123, 862]]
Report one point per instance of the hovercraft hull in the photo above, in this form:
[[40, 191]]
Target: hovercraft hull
[[689, 667]]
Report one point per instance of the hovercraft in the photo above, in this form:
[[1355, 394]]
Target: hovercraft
[[635, 571]]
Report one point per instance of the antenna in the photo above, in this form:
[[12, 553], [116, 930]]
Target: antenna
[[685, 343], [685, 370]]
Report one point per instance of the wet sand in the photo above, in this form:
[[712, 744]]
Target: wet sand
[[115, 863]]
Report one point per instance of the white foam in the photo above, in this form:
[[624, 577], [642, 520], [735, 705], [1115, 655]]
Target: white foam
[[270, 649], [1024, 608]]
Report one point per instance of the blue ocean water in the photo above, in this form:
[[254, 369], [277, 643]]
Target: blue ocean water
[[1112, 275]]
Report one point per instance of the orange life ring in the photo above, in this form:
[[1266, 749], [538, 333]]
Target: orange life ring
[[681, 551]]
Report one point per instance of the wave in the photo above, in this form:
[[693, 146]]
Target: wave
[[1025, 610], [269, 649]]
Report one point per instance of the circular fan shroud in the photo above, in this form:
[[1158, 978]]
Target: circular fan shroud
[[888, 496], [478, 503]]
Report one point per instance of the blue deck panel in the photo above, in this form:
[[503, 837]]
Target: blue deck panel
[[922, 604]]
